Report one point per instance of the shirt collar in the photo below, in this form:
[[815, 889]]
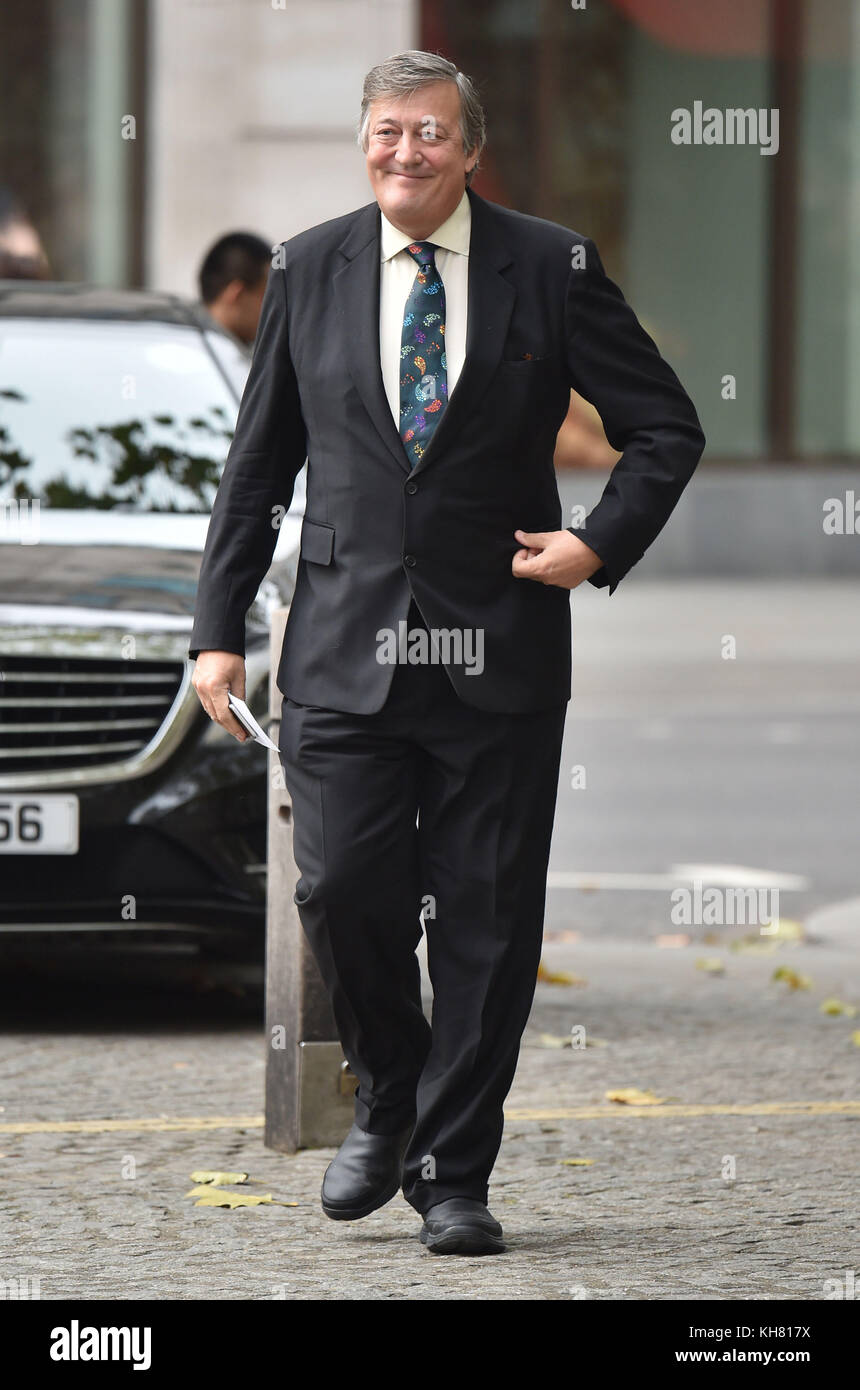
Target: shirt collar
[[453, 235]]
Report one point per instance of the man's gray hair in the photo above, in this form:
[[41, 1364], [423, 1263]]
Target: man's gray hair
[[404, 73]]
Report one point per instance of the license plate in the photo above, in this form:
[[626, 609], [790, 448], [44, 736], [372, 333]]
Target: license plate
[[38, 824]]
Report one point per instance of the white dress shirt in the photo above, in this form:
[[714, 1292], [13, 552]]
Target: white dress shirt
[[396, 278]]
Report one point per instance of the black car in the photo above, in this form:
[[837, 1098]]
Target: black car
[[122, 807]]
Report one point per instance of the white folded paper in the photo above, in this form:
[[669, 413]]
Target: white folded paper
[[247, 720]]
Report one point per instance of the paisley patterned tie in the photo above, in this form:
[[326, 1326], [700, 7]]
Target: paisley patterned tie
[[423, 365]]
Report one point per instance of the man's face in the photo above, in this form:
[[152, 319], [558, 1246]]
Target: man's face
[[248, 306], [238, 306], [415, 159]]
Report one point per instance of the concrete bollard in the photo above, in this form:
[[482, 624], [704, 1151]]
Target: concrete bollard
[[309, 1087]]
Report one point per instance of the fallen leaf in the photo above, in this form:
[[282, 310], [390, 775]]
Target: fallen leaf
[[209, 1196], [835, 1007], [552, 1040], [670, 941], [217, 1177], [753, 946], [854, 1036], [557, 977], [577, 1162], [631, 1095], [712, 965], [786, 930], [791, 978], [214, 1197]]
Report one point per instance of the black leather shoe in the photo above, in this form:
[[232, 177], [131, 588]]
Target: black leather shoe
[[364, 1174], [461, 1226]]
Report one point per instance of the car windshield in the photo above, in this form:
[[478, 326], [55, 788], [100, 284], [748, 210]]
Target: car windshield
[[111, 415]]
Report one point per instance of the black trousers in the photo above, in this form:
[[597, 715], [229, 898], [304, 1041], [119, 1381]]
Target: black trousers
[[482, 789]]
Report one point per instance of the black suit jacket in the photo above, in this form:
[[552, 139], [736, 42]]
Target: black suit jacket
[[375, 531]]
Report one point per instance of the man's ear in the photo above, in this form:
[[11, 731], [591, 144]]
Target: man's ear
[[231, 293]]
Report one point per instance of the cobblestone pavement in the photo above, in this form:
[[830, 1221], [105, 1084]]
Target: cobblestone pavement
[[653, 1216]]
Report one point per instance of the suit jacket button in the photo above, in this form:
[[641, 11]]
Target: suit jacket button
[[411, 488], [409, 560]]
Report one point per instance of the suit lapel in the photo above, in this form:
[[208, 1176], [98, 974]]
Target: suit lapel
[[491, 302], [356, 288]]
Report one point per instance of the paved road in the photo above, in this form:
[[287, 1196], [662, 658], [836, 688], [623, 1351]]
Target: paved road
[[104, 1214], [691, 758], [741, 1184]]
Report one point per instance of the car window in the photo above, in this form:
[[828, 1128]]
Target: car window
[[111, 415]]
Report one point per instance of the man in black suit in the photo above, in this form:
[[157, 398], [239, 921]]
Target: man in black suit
[[420, 354]]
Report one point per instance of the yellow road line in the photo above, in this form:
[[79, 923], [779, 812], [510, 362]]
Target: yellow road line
[[147, 1124], [159, 1124], [667, 1112]]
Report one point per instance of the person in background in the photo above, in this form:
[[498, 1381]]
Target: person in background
[[232, 280], [22, 256]]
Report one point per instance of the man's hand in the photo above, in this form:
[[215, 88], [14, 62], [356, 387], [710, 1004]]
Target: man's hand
[[216, 673], [554, 557]]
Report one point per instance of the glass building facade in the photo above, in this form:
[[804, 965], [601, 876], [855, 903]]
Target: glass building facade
[[743, 265], [72, 73]]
